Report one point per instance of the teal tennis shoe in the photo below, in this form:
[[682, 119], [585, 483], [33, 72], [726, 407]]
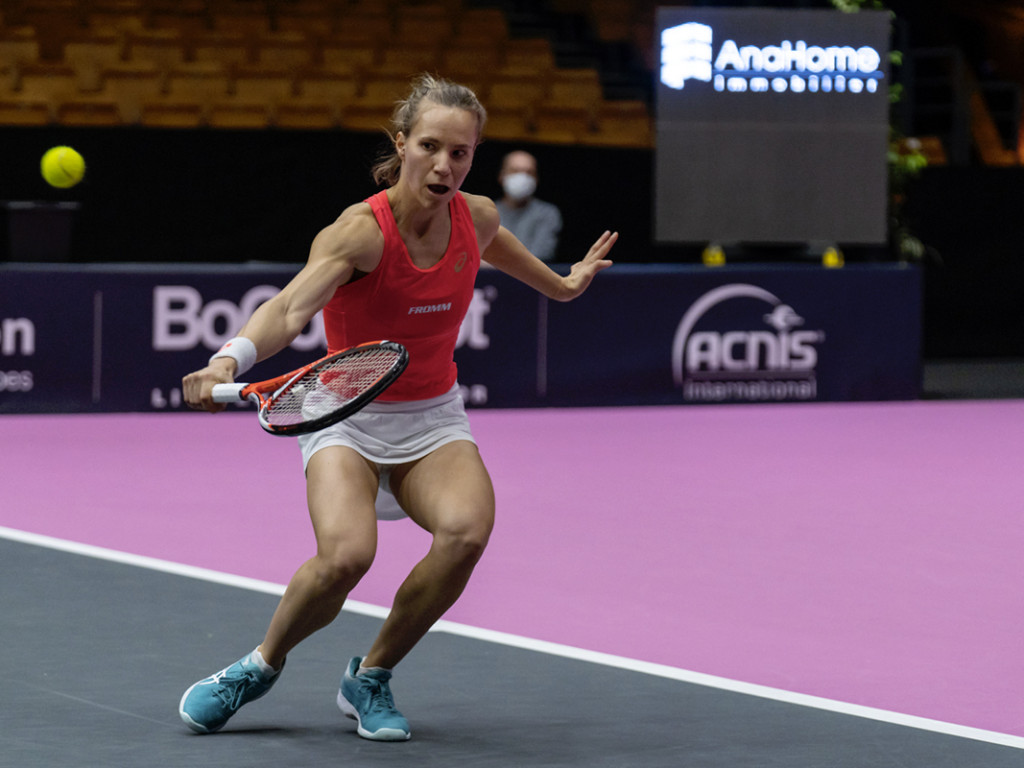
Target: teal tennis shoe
[[367, 699], [210, 703]]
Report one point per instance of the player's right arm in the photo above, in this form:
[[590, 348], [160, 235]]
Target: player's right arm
[[353, 242]]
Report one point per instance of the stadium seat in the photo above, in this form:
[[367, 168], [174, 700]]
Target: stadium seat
[[363, 28], [257, 85], [430, 24], [382, 91], [530, 53], [201, 83], [409, 59], [285, 50], [516, 88], [166, 114], [562, 124], [47, 82], [327, 86], [313, 18], [223, 47], [16, 111], [366, 118], [89, 53], [228, 115], [120, 15], [354, 54], [574, 88], [129, 84], [305, 115], [464, 59], [18, 46], [92, 111], [508, 124], [622, 124], [313, 64], [250, 17], [166, 47], [53, 21], [188, 16], [481, 26]]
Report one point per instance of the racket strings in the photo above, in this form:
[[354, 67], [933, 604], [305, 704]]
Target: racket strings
[[329, 387]]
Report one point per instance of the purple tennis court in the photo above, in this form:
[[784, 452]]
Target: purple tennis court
[[863, 558]]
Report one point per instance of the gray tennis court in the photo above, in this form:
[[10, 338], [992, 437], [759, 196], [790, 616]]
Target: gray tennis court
[[98, 653]]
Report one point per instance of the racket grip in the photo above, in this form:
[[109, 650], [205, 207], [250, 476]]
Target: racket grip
[[228, 393]]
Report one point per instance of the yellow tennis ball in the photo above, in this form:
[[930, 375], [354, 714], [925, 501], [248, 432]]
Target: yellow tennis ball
[[62, 167]]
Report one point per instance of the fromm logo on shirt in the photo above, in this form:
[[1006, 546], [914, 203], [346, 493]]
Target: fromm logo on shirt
[[426, 309]]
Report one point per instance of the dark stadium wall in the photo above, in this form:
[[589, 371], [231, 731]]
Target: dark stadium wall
[[232, 196], [198, 196]]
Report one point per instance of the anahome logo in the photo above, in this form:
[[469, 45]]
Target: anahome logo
[[688, 53]]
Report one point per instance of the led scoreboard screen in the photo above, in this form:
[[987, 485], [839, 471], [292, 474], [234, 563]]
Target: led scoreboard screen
[[772, 125]]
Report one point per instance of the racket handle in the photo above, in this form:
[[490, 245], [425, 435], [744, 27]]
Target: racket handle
[[228, 393]]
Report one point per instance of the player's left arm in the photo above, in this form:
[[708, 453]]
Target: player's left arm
[[501, 249]]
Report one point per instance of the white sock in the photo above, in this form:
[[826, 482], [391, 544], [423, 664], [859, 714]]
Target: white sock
[[363, 670], [266, 669]]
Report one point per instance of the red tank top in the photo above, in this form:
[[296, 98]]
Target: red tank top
[[420, 308]]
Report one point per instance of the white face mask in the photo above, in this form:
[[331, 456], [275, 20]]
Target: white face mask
[[519, 186]]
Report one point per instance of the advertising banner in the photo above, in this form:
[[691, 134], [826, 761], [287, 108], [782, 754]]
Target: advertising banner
[[740, 335], [772, 125], [106, 338]]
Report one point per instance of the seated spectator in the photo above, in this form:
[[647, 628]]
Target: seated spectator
[[536, 223]]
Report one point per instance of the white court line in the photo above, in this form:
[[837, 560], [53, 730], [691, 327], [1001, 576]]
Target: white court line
[[539, 646]]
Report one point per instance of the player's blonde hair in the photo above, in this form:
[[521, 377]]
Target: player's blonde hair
[[431, 89]]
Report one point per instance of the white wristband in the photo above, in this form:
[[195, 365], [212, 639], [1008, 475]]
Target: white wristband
[[241, 350]]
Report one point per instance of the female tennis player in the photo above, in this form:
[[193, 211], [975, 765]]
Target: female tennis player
[[400, 266]]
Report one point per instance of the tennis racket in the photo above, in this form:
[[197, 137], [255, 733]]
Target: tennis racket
[[323, 392]]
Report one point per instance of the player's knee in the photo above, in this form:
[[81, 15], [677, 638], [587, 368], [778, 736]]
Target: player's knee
[[341, 568], [465, 540]]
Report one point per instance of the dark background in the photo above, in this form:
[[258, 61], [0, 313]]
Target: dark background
[[220, 195], [236, 196]]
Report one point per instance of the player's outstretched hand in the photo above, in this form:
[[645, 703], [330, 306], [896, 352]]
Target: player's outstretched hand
[[583, 272]]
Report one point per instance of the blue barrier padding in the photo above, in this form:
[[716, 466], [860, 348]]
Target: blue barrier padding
[[107, 338]]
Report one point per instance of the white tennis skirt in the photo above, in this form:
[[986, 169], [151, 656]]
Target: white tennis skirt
[[389, 434]]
